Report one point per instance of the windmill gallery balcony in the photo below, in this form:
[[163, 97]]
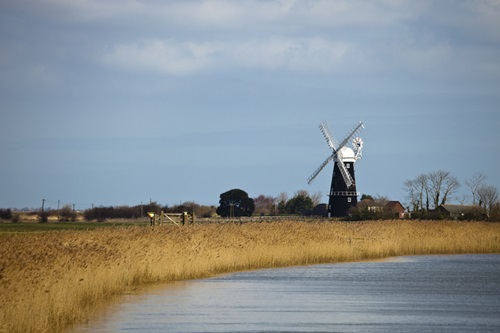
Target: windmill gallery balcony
[[345, 193]]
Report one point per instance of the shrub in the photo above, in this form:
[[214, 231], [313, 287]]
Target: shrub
[[43, 217], [67, 214], [192, 207], [5, 214], [120, 212]]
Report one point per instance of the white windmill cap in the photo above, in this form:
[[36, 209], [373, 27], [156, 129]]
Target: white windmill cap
[[347, 154]]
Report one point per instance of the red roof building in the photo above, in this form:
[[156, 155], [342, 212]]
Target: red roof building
[[396, 208]]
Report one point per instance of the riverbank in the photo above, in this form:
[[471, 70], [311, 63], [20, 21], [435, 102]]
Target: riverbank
[[50, 280]]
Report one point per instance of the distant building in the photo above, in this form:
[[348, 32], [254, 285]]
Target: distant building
[[320, 210], [458, 211], [392, 209], [396, 209]]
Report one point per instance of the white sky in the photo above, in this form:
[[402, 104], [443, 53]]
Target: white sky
[[118, 102]]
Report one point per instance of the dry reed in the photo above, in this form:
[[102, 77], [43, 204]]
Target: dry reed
[[51, 280]]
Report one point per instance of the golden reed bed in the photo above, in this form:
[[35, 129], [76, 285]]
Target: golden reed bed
[[51, 280]]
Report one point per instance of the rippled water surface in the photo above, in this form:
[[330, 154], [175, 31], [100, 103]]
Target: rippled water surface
[[459, 293]]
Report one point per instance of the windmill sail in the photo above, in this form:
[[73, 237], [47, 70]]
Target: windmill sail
[[355, 130], [345, 174], [330, 140], [319, 169]]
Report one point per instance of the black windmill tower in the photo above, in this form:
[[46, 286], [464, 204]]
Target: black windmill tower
[[343, 194]]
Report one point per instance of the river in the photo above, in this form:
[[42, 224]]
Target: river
[[455, 293]]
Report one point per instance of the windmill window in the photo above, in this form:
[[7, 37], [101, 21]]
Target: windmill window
[[348, 166], [348, 199]]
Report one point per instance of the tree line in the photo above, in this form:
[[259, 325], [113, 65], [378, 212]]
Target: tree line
[[233, 203], [236, 203], [426, 192]]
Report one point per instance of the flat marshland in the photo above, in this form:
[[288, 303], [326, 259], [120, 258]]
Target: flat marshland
[[50, 280]]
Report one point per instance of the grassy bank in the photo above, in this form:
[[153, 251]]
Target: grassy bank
[[8, 227], [49, 280]]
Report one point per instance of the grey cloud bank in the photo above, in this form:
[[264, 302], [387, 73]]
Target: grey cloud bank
[[117, 102]]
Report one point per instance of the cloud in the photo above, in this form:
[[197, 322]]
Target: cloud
[[250, 14], [187, 37], [478, 21], [286, 15], [241, 14], [179, 58], [309, 54], [165, 56], [192, 36], [84, 10]]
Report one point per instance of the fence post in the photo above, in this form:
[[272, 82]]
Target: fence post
[[152, 217]]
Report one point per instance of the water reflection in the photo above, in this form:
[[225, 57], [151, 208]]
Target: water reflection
[[405, 294]]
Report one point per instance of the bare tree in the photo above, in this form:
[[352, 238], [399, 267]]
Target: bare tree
[[282, 197], [303, 193], [264, 204], [281, 201], [436, 187], [316, 198], [475, 183], [381, 200], [488, 198], [451, 185], [463, 199], [410, 187], [442, 185], [423, 189], [418, 190]]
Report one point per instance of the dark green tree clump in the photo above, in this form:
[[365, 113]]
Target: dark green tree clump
[[5, 214], [299, 205], [235, 203]]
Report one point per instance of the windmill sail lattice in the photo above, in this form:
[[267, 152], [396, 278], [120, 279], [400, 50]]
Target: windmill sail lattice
[[343, 193]]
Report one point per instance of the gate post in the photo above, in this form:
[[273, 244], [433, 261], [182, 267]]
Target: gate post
[[152, 218]]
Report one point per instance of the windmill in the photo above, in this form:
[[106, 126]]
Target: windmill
[[342, 193]]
